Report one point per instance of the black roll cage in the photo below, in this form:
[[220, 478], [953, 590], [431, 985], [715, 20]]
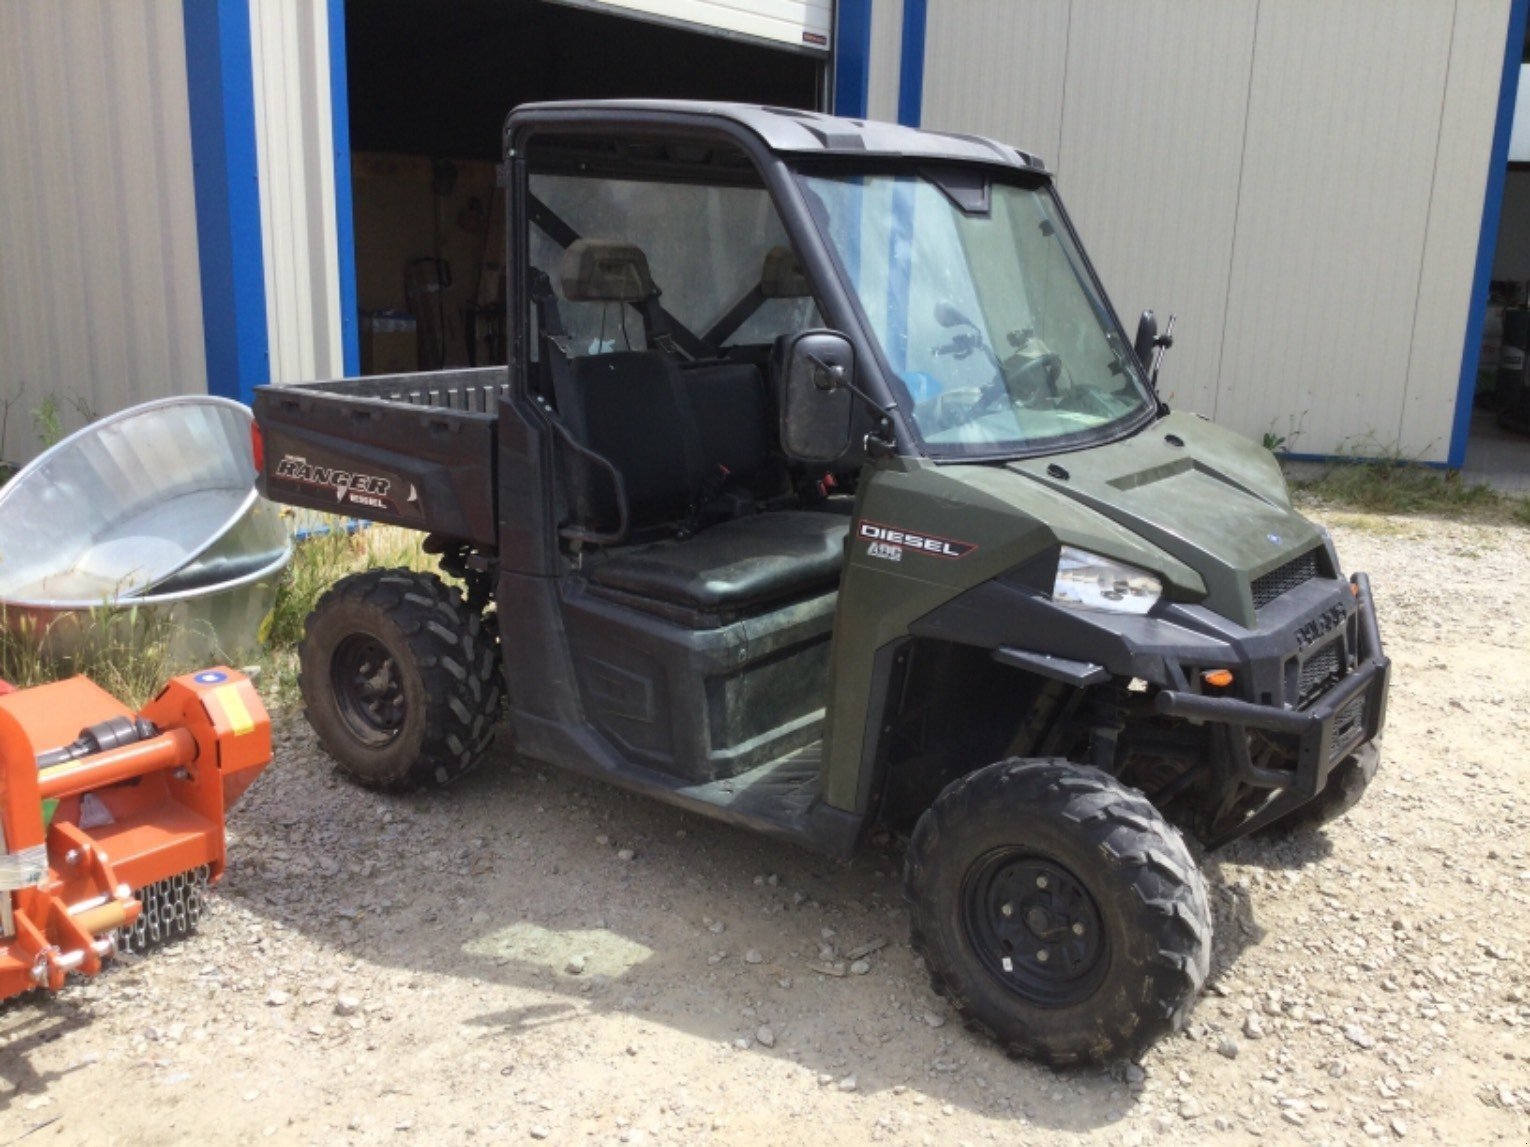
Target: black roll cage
[[840, 308]]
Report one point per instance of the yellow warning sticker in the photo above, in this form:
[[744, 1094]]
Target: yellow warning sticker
[[234, 709]]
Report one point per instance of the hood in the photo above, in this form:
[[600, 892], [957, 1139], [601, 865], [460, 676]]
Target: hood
[[1206, 496]]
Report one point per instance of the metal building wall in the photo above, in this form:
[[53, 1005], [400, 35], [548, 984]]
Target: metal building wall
[[886, 47], [100, 292], [1302, 180], [296, 153]]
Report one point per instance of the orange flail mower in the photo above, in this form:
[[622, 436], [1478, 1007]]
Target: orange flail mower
[[111, 822]]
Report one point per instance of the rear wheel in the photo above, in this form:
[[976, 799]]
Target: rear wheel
[[400, 680], [1057, 911]]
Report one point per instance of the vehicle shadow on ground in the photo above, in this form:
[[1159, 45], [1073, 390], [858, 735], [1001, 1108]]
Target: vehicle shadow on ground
[[1235, 907], [27, 1022], [520, 878]]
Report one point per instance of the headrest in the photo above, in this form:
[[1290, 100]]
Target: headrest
[[604, 271], [782, 277]]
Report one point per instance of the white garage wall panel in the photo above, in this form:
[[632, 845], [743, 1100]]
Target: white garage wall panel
[[100, 288], [1343, 125], [295, 154], [886, 55], [996, 67], [1455, 208], [1152, 166], [799, 23], [1302, 180]]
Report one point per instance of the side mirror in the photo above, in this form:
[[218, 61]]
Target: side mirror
[[1147, 337], [812, 370]]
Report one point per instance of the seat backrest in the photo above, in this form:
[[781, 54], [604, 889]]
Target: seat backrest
[[629, 408], [732, 416]]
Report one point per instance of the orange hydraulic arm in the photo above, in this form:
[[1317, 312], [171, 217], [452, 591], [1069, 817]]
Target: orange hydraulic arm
[[103, 811]]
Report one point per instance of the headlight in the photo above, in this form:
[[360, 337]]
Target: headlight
[[1089, 581]]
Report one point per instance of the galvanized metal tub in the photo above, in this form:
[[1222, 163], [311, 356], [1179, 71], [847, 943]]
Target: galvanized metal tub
[[135, 499], [144, 527], [221, 621]]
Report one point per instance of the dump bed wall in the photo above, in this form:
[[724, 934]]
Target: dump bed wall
[[415, 450]]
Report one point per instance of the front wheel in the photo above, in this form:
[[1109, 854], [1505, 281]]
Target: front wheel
[[400, 679], [1058, 911]]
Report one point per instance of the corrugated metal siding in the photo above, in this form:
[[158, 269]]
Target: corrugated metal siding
[[1301, 180], [295, 145], [886, 51], [100, 290]]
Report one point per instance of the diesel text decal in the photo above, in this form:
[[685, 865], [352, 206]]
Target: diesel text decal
[[882, 537]]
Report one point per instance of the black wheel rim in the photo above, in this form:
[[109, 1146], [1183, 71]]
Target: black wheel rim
[[369, 690], [1035, 928]]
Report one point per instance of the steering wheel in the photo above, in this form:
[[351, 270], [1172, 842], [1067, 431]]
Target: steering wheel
[[1048, 364], [1021, 379]]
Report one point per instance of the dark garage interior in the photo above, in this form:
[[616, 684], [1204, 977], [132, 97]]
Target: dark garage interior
[[430, 83]]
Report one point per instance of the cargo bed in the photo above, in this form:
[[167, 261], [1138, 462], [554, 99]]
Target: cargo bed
[[415, 450]]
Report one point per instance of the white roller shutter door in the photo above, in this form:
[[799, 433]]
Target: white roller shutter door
[[797, 23]]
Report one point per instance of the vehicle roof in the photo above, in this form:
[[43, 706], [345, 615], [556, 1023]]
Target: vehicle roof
[[792, 130]]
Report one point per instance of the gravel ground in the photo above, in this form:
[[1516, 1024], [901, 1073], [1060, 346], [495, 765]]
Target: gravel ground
[[532, 956]]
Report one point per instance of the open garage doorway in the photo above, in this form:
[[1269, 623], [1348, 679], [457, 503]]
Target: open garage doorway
[[430, 83], [1498, 440]]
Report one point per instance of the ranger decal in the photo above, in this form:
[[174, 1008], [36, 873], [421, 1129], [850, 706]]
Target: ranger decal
[[350, 487]]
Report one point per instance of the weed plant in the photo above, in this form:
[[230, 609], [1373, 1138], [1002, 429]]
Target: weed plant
[[128, 652], [1390, 486]]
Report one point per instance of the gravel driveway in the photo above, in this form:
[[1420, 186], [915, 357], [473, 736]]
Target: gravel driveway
[[533, 956]]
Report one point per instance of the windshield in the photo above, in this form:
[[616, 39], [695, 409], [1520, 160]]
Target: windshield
[[987, 317]]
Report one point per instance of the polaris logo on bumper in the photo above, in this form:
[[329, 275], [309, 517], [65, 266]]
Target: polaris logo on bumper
[[1324, 623], [883, 537]]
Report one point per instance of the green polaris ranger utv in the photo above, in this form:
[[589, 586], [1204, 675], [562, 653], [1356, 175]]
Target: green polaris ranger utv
[[824, 491]]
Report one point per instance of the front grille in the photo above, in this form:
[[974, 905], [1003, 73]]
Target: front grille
[[1348, 727], [1319, 670], [1283, 579]]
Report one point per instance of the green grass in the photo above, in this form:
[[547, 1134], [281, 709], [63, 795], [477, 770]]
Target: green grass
[[321, 561], [127, 653], [1398, 487], [317, 564], [131, 655]]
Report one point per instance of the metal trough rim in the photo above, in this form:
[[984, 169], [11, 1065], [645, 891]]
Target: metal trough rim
[[81, 605], [142, 593]]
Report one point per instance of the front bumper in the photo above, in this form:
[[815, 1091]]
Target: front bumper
[[1347, 716], [1330, 729], [1312, 675]]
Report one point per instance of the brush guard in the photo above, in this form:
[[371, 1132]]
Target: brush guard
[[1348, 716]]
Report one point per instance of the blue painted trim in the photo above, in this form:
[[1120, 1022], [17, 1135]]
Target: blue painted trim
[[852, 57], [220, 82], [1487, 242], [345, 227], [911, 63]]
